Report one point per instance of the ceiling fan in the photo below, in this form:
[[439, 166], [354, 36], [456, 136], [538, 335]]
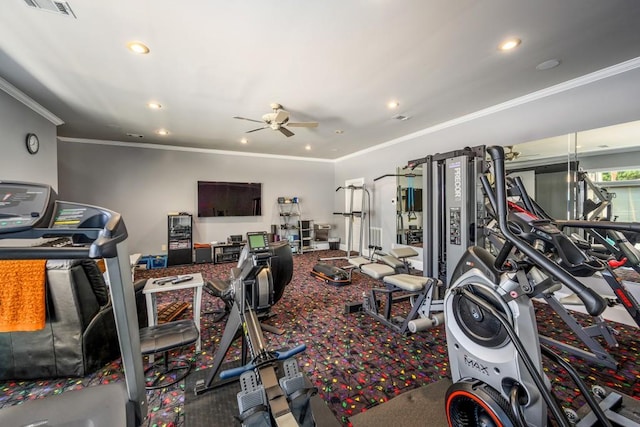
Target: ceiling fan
[[509, 154], [277, 121]]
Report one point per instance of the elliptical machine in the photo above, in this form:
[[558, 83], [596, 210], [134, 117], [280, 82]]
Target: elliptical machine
[[492, 338]]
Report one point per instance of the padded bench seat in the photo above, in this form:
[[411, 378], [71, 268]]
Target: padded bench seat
[[396, 257], [359, 261], [407, 282], [377, 271]]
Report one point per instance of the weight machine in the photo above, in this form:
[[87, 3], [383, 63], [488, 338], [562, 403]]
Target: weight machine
[[351, 214], [453, 214], [452, 222], [453, 208]]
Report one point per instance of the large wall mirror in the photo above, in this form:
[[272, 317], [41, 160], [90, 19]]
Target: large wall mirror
[[409, 207], [553, 171], [569, 175]]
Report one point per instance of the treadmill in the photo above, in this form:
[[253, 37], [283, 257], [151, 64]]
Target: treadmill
[[35, 225]]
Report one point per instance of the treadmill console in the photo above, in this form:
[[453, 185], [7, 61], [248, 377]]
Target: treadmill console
[[71, 216], [24, 206], [34, 224]]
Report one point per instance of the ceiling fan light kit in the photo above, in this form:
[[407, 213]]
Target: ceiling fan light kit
[[277, 120]]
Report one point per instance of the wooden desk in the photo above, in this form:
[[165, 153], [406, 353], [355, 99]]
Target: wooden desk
[[151, 289]]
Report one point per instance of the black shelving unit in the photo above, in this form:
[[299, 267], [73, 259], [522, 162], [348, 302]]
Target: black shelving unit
[[229, 252], [306, 234], [180, 236]]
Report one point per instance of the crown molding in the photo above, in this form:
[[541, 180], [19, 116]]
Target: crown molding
[[26, 100], [149, 146]]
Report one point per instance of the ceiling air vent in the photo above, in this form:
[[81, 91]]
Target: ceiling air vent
[[55, 6]]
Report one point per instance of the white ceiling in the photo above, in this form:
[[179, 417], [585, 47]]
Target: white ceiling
[[336, 62]]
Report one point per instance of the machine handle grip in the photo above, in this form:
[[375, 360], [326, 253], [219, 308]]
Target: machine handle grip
[[279, 355], [593, 303], [599, 225]]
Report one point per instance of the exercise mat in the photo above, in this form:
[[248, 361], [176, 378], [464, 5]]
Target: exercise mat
[[419, 407], [216, 408], [219, 407]]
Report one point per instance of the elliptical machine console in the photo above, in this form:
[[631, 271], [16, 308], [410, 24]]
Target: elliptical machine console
[[497, 381]]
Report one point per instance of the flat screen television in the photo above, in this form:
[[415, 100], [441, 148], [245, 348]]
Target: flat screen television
[[217, 198]]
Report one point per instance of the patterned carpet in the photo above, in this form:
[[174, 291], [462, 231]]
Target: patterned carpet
[[354, 361]]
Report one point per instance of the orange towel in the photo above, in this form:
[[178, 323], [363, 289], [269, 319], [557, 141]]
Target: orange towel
[[22, 299]]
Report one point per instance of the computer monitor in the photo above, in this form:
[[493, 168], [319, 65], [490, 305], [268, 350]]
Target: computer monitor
[[257, 241]]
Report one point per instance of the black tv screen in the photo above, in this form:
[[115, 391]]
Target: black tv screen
[[229, 198]]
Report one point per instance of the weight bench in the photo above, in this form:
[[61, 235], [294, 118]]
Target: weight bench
[[397, 258], [417, 288], [395, 262]]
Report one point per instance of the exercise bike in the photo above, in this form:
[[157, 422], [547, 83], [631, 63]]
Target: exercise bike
[[492, 337]]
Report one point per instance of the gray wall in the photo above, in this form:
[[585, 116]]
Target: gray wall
[[16, 164], [145, 184]]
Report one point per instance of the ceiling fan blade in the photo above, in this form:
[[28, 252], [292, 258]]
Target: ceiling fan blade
[[303, 124], [253, 130], [244, 118], [281, 116], [286, 132]]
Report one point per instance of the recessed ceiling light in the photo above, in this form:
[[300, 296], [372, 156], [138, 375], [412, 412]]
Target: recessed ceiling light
[[392, 105], [509, 44], [154, 105], [339, 131], [162, 132], [138, 47], [244, 140], [547, 65], [308, 147]]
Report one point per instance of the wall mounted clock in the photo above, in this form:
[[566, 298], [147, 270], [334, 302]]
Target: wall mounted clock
[[33, 143]]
